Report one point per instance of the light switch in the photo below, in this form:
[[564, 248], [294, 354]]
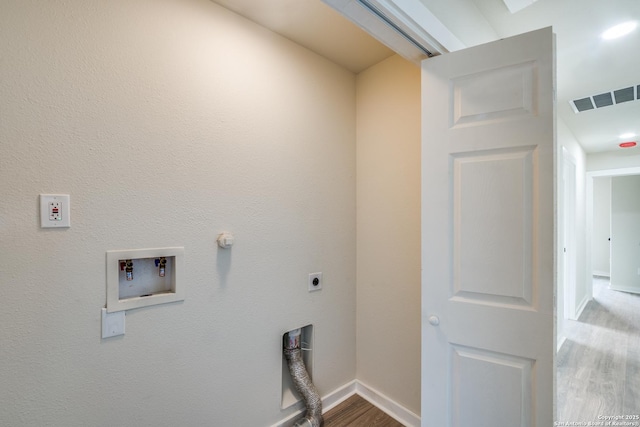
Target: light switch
[[55, 211], [112, 323]]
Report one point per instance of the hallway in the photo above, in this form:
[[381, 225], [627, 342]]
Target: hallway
[[598, 367]]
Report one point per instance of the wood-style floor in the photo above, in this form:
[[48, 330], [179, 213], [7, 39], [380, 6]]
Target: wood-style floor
[[598, 367], [357, 412]]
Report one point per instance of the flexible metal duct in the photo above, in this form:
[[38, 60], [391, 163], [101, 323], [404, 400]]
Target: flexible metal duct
[[302, 382]]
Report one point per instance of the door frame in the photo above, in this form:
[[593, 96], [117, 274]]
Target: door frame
[[569, 236], [590, 175]]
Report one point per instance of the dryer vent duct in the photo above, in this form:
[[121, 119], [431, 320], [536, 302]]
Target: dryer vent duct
[[302, 381]]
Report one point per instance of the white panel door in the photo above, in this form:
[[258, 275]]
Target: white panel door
[[488, 235]]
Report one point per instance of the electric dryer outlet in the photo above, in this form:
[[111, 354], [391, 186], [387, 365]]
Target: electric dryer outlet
[[315, 281]]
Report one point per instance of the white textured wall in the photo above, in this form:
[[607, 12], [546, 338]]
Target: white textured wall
[[618, 159], [388, 163], [600, 248], [167, 122], [625, 233]]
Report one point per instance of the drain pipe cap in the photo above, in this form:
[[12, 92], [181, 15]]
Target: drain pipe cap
[[225, 240]]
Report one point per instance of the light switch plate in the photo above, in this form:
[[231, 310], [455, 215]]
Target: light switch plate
[[112, 323], [55, 211]]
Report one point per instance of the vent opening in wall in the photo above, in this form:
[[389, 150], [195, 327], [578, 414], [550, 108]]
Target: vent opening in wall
[[289, 394], [605, 99]]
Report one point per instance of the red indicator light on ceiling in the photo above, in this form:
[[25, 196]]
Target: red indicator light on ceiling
[[627, 144]]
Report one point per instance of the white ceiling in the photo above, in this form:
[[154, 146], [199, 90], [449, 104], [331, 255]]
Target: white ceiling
[[586, 64]]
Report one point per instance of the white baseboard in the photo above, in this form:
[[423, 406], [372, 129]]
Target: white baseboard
[[392, 408], [338, 396], [629, 289], [333, 399], [581, 307]]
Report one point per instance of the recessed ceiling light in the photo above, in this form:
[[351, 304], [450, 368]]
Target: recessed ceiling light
[[627, 135], [619, 30]]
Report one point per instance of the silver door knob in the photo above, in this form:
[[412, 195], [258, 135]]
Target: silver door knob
[[434, 320]]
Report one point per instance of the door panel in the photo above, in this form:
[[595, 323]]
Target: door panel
[[496, 94], [488, 235], [500, 372], [491, 247]]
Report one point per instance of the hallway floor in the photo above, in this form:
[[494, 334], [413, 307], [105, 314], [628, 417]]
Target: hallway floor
[[598, 367]]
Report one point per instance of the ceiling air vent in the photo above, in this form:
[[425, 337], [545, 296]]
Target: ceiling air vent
[[605, 99], [583, 104], [623, 95]]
